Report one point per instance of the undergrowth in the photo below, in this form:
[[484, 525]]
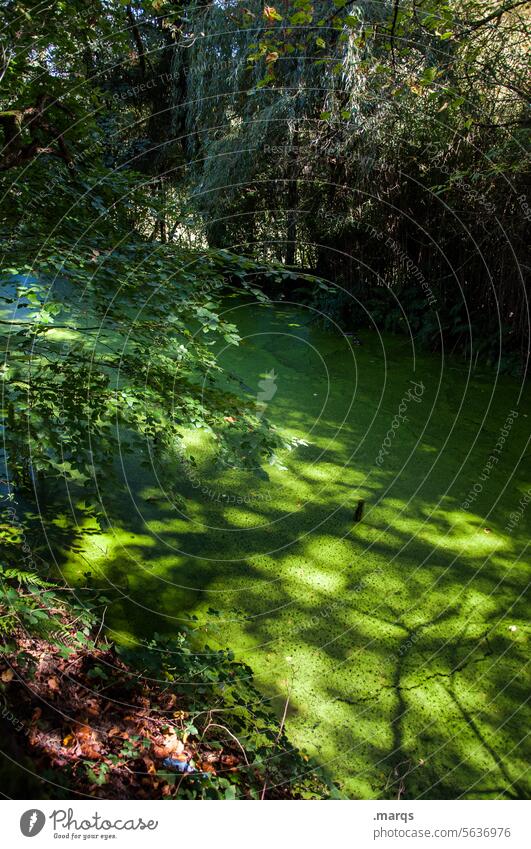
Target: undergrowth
[[162, 721]]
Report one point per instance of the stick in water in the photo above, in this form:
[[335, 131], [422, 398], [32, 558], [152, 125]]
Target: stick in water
[[358, 512]]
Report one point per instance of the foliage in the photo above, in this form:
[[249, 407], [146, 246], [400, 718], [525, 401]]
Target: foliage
[[119, 344], [218, 725], [369, 143], [158, 155], [38, 607]]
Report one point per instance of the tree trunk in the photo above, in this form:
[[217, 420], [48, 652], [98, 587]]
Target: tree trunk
[[292, 201]]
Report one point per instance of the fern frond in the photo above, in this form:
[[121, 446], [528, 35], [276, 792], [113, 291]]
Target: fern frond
[[26, 578]]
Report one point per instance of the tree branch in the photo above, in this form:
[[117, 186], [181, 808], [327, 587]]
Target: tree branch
[[393, 27], [14, 121], [138, 40]]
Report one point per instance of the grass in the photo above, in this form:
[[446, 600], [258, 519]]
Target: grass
[[394, 637]]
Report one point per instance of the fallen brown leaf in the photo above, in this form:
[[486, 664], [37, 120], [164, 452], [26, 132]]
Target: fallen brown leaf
[[206, 767], [150, 765], [180, 714], [93, 707], [88, 741], [171, 745]]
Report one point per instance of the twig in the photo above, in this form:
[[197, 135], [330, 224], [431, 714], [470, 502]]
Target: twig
[[223, 727], [280, 730], [101, 626], [473, 25]]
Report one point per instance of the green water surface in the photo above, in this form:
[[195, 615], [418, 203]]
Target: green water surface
[[399, 641]]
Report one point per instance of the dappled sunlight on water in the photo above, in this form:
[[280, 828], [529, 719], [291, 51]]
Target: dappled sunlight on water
[[392, 635]]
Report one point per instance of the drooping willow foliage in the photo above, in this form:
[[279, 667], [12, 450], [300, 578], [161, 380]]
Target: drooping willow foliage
[[252, 142]]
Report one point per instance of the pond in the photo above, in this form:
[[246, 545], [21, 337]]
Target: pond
[[397, 642]]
